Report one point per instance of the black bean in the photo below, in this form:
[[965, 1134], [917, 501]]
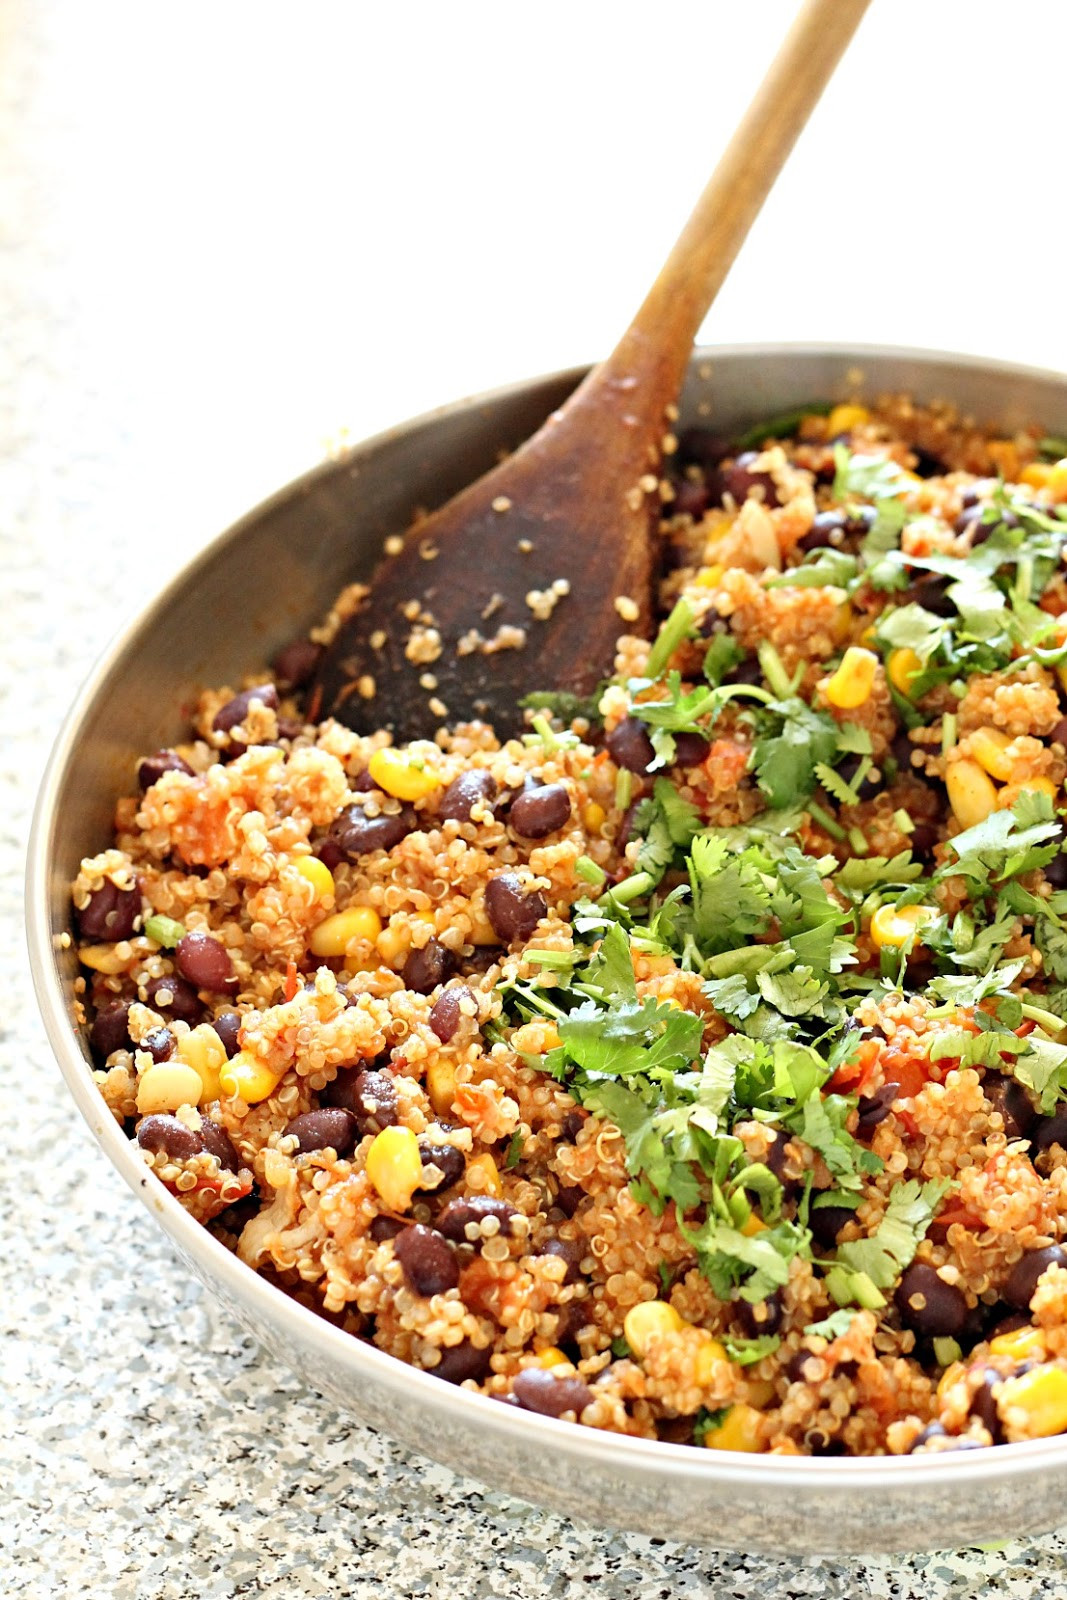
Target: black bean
[[927, 1304], [290, 727], [228, 1025], [569, 1197], [690, 749], [702, 447], [761, 1316], [675, 1430], [984, 1406], [217, 1142], [568, 1250], [110, 913], [690, 499], [428, 1260], [874, 1108], [1021, 1281], [159, 1044], [1056, 870], [474, 787], [447, 1159], [206, 962], [235, 710], [931, 592], [926, 465], [513, 911], [826, 1222], [794, 1367], [572, 1125], [747, 671], [445, 1015], [383, 1228], [629, 746], [176, 998], [538, 812], [459, 1213], [295, 665], [626, 826], [902, 751], [1007, 1095], [922, 840], [356, 834], [538, 1389], [830, 528], [329, 1127], [739, 480], [368, 1094], [151, 768], [1059, 733], [462, 1361], [1047, 1131], [933, 1430], [425, 969], [168, 1134], [1009, 1324], [111, 1030]]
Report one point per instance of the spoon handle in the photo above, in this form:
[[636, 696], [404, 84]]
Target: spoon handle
[[655, 348]]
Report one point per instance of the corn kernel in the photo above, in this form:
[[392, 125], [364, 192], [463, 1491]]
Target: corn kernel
[[1036, 474], [334, 934], [594, 817], [1042, 1395], [951, 1375], [1005, 457], [394, 1166], [649, 1320], [1011, 791], [204, 1051], [247, 1079], [853, 681], [710, 577], [902, 667], [104, 958], [1057, 481], [738, 1430], [403, 775], [483, 1176], [844, 418], [441, 1086], [753, 1226], [1024, 1344], [761, 1392], [317, 874], [551, 1357], [971, 793], [482, 931], [166, 1085], [393, 944], [893, 926], [989, 747], [710, 1352], [841, 624]]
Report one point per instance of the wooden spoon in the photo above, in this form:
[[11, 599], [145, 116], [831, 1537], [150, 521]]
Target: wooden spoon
[[527, 577]]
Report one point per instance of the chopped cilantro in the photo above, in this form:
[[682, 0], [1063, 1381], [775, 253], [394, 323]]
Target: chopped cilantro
[[881, 1258], [794, 740], [514, 1154], [833, 1326], [676, 629]]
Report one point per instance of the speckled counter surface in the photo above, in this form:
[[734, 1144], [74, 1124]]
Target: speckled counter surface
[[148, 1449]]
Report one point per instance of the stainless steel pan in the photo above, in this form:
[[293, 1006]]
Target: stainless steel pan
[[277, 570]]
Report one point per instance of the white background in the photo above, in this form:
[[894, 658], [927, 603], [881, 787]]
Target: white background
[[281, 222]]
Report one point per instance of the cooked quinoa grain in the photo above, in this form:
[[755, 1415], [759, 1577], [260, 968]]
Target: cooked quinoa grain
[[695, 1066]]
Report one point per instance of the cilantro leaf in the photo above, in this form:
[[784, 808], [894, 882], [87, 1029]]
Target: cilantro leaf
[[882, 1257], [797, 739]]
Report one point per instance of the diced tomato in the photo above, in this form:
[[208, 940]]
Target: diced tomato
[[851, 1076], [725, 764], [291, 983]]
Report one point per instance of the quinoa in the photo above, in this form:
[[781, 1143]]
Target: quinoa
[[695, 1070]]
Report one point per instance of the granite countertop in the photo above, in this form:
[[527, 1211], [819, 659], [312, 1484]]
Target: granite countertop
[[148, 1449]]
